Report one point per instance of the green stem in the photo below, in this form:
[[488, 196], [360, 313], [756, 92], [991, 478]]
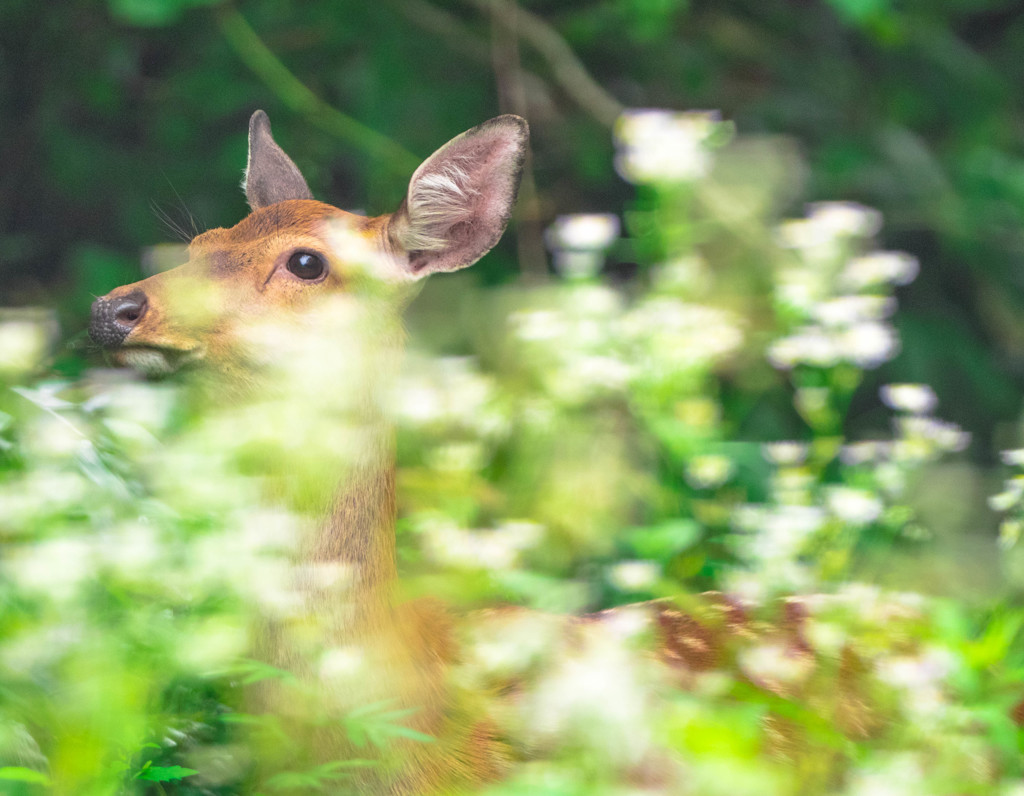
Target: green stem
[[296, 95]]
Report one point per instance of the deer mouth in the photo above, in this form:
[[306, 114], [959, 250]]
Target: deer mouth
[[156, 360]]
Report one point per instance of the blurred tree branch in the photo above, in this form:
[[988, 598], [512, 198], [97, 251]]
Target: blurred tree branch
[[296, 95], [508, 75], [566, 68]]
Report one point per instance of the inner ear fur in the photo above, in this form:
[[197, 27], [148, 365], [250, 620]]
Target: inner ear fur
[[460, 199], [270, 175]]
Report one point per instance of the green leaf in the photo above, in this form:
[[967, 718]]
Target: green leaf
[[165, 773], [22, 774]]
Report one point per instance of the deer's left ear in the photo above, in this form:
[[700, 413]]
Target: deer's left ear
[[270, 175], [460, 198]]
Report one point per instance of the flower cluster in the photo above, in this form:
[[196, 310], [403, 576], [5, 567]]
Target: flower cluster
[[834, 297]]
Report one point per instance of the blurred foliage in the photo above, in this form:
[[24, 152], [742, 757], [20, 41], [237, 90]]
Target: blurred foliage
[[114, 108], [720, 397]]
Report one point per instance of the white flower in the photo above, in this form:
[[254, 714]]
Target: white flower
[[24, 338], [923, 436], [854, 506], [847, 310], [1013, 458], [878, 268], [659, 146], [1007, 499], [846, 218], [863, 452], [56, 566], [785, 453], [810, 345], [583, 232], [774, 663], [918, 399], [869, 344], [630, 576]]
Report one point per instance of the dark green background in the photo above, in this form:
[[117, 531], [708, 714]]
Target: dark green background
[[115, 113]]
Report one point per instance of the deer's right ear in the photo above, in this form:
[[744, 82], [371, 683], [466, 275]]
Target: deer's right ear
[[270, 175], [460, 199]]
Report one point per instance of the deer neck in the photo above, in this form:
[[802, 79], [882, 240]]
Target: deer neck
[[359, 530]]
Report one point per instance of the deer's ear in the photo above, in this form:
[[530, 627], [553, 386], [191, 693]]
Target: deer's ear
[[270, 175], [460, 198]]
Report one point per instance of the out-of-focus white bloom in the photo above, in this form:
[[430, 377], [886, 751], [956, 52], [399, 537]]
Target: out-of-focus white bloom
[[630, 576], [810, 345], [856, 453], [130, 549], [677, 334], [146, 404], [785, 453], [921, 436], [660, 146], [847, 310], [827, 225], [919, 678], [448, 390], [498, 548], [1008, 498], [776, 532], [854, 506], [869, 344], [1013, 458], [774, 664], [918, 399], [845, 218], [585, 375], [596, 697], [510, 641], [54, 436], [538, 324], [55, 566], [583, 232], [710, 471], [878, 268], [25, 336], [626, 622], [899, 775]]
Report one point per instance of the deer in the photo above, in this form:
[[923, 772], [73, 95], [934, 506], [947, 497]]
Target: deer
[[279, 263]]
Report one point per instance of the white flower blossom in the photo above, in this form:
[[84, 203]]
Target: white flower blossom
[[785, 453], [630, 576], [878, 268], [854, 506], [869, 344], [918, 399], [659, 146], [583, 232]]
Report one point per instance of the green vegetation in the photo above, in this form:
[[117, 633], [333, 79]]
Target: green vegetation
[[717, 388]]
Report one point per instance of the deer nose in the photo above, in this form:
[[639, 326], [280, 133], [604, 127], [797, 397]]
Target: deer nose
[[114, 318]]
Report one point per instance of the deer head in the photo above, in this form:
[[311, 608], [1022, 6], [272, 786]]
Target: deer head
[[292, 249]]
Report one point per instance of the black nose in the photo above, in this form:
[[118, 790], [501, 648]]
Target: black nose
[[113, 318]]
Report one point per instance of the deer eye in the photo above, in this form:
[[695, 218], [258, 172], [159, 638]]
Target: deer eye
[[306, 265]]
